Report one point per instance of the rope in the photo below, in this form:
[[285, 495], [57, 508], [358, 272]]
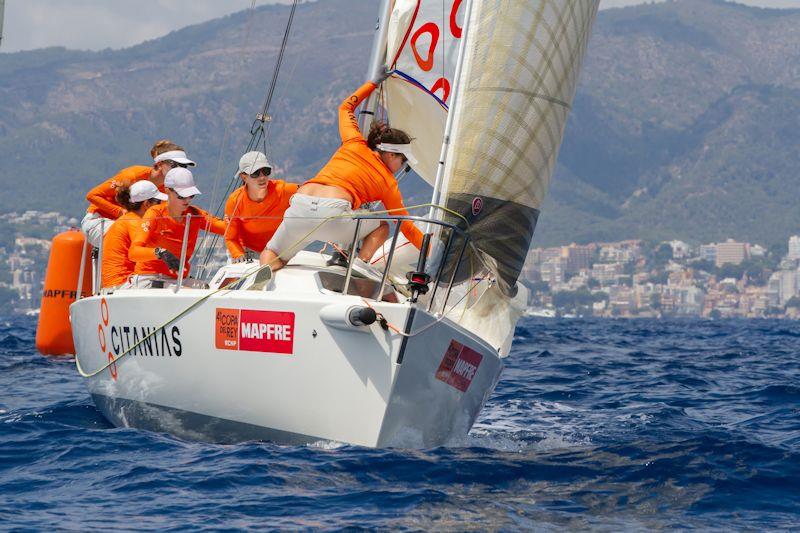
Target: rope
[[257, 134]]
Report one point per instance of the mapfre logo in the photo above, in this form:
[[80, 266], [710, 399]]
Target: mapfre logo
[[254, 331], [459, 366]]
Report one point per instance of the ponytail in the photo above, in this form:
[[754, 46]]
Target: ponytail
[[123, 197], [164, 145], [380, 132]]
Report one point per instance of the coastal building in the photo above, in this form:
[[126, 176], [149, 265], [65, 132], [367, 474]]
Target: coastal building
[[577, 257], [731, 252], [794, 248], [708, 252], [680, 249]]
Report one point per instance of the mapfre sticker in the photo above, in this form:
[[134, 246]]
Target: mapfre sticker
[[459, 366], [254, 331]]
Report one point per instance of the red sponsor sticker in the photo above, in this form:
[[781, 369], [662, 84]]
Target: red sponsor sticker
[[227, 329], [254, 331], [459, 366]]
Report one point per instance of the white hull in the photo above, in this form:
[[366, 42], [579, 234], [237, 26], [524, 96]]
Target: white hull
[[321, 380]]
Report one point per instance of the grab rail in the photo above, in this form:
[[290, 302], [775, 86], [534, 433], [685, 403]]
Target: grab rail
[[436, 279]]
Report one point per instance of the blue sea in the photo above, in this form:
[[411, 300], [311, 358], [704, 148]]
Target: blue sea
[[596, 424]]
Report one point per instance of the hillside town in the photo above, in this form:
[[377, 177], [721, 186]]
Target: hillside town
[[673, 278], [616, 279]]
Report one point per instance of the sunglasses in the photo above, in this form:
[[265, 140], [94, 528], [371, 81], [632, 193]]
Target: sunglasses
[[261, 172], [175, 164]]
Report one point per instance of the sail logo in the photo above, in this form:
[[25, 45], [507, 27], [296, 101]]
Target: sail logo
[[254, 331], [477, 205], [459, 366]]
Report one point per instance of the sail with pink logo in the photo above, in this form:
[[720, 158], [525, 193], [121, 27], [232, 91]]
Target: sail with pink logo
[[422, 50]]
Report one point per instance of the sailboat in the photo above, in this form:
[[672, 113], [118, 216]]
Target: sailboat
[[404, 353]]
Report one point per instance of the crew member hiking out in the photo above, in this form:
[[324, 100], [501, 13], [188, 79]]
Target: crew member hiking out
[[360, 171], [157, 243], [136, 199], [103, 206], [255, 210]]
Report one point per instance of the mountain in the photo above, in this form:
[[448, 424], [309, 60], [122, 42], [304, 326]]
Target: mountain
[[685, 124]]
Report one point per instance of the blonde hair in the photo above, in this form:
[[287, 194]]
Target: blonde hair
[[164, 145]]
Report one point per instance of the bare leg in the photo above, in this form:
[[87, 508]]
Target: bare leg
[[268, 257], [373, 241]]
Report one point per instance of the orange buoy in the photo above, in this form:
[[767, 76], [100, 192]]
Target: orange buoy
[[54, 333]]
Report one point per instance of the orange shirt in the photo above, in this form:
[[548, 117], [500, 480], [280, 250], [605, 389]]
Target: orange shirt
[[117, 267], [102, 198], [159, 230], [360, 171], [254, 233]]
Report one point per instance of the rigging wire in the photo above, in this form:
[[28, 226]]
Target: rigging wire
[[258, 134]]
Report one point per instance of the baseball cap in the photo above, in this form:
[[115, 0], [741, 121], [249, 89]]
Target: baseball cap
[[252, 161], [145, 190], [179, 156], [181, 181]]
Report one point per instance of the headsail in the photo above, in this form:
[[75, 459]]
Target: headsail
[[518, 79], [422, 49]]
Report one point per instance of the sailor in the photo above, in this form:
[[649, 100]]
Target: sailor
[[360, 171], [255, 210], [136, 200], [103, 207], [157, 242]]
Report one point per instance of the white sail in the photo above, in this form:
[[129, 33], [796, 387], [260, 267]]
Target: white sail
[[422, 49]]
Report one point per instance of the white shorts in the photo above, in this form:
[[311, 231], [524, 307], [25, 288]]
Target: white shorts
[[94, 227], [305, 222]]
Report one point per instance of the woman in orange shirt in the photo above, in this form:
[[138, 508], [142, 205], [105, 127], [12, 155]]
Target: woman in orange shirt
[[136, 200], [103, 206], [360, 171], [255, 210], [156, 246]]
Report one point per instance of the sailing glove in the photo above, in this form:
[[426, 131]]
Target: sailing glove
[[172, 262]]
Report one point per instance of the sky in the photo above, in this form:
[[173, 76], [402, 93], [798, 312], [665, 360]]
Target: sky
[[99, 24]]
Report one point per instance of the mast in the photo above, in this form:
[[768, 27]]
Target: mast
[[2, 10], [377, 61]]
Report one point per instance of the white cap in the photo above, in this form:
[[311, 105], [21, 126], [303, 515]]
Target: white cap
[[181, 181], [404, 149], [145, 190], [179, 156], [252, 161]]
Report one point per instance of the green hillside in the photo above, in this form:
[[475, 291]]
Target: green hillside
[[685, 123]]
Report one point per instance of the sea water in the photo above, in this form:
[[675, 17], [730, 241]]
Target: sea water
[[602, 424]]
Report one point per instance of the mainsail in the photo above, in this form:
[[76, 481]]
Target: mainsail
[[519, 74]]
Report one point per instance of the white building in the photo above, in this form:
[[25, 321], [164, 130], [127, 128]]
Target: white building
[[794, 247], [708, 252], [679, 249]]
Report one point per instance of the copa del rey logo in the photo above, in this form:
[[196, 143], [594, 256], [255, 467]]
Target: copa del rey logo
[[255, 331], [459, 366]]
